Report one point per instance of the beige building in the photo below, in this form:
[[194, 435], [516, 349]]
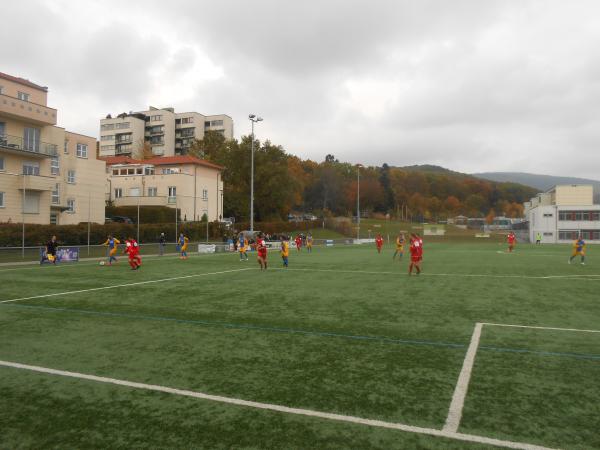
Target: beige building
[[190, 184], [163, 131], [47, 174]]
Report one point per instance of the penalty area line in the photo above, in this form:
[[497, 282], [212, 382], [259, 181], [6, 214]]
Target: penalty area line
[[540, 327], [279, 408], [115, 286]]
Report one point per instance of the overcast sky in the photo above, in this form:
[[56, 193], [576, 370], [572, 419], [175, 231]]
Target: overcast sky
[[473, 85]]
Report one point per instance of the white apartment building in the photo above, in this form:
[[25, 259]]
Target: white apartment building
[[192, 185], [161, 130], [563, 213]]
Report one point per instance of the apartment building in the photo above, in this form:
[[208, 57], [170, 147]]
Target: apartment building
[[192, 185], [563, 213], [163, 132], [47, 174]]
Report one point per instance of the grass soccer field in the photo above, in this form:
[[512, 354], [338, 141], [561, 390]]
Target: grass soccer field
[[340, 350]]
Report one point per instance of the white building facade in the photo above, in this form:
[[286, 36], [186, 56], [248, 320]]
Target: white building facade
[[564, 213], [163, 131]]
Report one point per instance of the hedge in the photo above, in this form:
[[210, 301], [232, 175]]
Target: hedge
[[35, 235]]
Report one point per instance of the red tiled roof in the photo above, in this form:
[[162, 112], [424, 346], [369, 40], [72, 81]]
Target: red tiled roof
[[161, 161], [23, 81], [184, 159]]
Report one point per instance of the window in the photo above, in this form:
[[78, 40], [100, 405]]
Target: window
[[107, 148], [171, 170], [53, 219], [71, 177], [157, 129], [134, 192], [107, 127], [139, 171], [152, 192], [216, 123], [568, 235], [1, 90], [23, 96], [56, 194], [157, 140], [66, 148], [157, 118], [579, 215], [1, 199], [207, 124], [110, 137], [82, 150], [118, 192], [71, 206], [31, 139], [205, 194], [149, 171], [547, 214], [31, 168], [123, 171], [187, 120], [172, 194], [2, 128], [548, 233], [1, 163], [187, 132], [54, 165], [115, 171], [31, 205], [122, 125]]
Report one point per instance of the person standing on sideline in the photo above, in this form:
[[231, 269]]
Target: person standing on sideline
[[162, 241], [538, 238], [51, 248]]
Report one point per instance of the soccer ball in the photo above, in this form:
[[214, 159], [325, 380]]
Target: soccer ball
[[101, 263]]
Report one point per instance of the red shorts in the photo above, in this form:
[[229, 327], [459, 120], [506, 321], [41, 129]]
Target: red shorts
[[262, 255], [415, 258]]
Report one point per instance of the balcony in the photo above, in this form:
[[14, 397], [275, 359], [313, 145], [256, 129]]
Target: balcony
[[27, 111], [17, 145], [38, 183], [124, 151]]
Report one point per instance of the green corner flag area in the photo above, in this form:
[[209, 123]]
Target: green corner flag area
[[342, 349]]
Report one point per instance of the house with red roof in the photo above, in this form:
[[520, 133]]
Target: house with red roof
[[192, 185]]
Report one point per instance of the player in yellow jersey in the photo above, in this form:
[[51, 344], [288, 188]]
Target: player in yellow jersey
[[399, 246], [578, 250], [285, 251], [309, 242], [182, 243], [243, 247], [112, 243]]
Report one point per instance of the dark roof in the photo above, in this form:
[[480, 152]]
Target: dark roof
[[23, 81]]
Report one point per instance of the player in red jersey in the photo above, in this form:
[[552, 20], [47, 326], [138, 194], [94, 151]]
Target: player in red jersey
[[512, 240], [133, 251], [298, 242], [416, 254], [261, 248], [379, 243]]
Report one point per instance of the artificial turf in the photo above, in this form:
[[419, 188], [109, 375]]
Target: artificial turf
[[343, 330]]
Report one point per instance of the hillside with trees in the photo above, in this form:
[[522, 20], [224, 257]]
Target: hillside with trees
[[285, 183]]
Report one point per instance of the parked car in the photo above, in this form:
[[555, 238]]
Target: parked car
[[108, 220], [122, 219], [310, 217]]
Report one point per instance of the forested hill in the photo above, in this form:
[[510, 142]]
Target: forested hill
[[285, 183]]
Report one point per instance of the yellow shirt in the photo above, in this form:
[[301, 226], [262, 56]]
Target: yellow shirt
[[399, 243], [285, 249]]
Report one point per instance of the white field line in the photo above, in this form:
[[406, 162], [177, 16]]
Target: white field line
[[540, 328], [282, 409], [591, 277], [462, 385], [115, 286]]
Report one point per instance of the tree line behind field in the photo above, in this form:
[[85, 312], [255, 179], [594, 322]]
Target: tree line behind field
[[285, 183]]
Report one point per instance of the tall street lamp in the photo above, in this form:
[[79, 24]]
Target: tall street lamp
[[253, 118]]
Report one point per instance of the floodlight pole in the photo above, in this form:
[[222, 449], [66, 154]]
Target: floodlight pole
[[358, 201], [253, 118]]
